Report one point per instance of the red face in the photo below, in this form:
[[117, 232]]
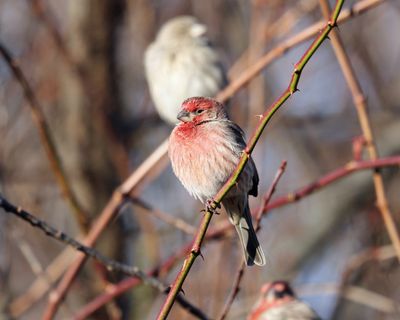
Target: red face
[[199, 109]]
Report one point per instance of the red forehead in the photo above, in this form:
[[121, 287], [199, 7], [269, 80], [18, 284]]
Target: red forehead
[[280, 286], [196, 103]]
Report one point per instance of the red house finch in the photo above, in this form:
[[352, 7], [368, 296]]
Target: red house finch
[[205, 148], [180, 64], [278, 302]]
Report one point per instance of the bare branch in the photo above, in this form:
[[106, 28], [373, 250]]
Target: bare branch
[[47, 140], [361, 107]]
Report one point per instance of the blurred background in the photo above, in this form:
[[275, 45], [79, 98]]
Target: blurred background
[[84, 61]]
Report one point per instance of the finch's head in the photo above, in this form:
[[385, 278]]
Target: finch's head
[[277, 291], [182, 29], [201, 109]]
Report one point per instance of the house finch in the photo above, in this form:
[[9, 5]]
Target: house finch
[[205, 148], [180, 64], [278, 302]]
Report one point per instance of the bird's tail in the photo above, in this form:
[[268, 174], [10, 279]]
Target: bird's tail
[[253, 254]]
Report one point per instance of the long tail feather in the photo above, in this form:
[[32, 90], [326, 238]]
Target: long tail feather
[[253, 253]]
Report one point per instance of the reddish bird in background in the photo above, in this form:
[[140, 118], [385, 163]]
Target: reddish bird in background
[[204, 149], [181, 63], [278, 302]]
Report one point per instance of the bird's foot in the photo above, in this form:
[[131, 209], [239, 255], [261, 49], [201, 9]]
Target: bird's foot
[[212, 206]]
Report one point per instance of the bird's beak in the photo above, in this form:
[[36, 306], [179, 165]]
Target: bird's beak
[[184, 116]]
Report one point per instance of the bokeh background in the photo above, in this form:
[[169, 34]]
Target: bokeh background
[[84, 60]]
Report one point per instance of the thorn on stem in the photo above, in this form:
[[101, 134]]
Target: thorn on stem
[[332, 24], [201, 255]]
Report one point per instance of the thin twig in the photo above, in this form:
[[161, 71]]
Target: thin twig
[[265, 118], [218, 233], [46, 139], [129, 283], [257, 225], [356, 294], [267, 197], [235, 290], [358, 260], [176, 222], [42, 284], [350, 167], [42, 13], [110, 264], [361, 107], [255, 69], [160, 153]]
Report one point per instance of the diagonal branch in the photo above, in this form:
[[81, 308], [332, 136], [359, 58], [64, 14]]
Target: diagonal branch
[[176, 222], [265, 118], [361, 107], [46, 139], [110, 264]]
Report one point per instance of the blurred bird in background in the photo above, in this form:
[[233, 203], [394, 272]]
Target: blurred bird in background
[[278, 302], [205, 149], [181, 63]]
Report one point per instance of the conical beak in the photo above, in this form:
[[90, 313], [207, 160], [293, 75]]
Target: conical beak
[[183, 115]]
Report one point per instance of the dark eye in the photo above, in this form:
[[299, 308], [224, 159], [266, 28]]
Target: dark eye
[[199, 111]]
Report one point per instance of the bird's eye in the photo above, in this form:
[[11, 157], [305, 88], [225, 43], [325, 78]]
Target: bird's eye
[[199, 111]]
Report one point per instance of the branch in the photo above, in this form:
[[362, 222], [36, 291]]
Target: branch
[[160, 153], [361, 107], [130, 283], [347, 169], [42, 284], [176, 222], [255, 69], [110, 264], [358, 260], [265, 118], [46, 139], [240, 272], [356, 294]]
